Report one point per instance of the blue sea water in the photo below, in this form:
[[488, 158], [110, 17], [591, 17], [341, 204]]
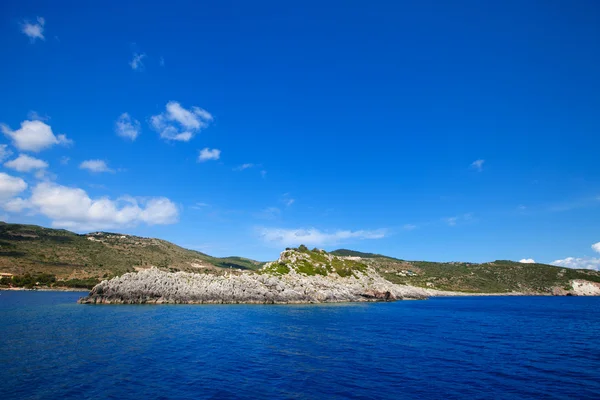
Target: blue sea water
[[448, 348]]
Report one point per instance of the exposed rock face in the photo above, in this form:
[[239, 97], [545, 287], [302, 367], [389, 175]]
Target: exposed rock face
[[585, 288], [155, 286]]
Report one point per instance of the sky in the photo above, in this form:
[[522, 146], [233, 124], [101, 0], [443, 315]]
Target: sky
[[430, 130]]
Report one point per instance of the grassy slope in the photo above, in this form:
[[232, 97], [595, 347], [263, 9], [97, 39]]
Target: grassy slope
[[495, 277], [33, 249], [314, 262]]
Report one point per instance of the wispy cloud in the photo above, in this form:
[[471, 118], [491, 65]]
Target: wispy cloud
[[96, 166], [34, 116], [287, 199], [477, 165], [180, 124], [243, 167], [34, 30], [578, 263], [207, 154], [453, 221], [409, 227], [137, 63], [200, 206], [315, 237], [127, 127]]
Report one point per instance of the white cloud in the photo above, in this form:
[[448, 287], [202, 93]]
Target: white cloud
[[95, 166], [25, 163], [34, 31], [477, 165], [137, 61], [527, 261], [34, 136], [72, 208], [10, 186], [4, 152], [579, 263], [596, 247], [65, 160], [178, 123], [243, 167], [127, 127], [263, 173], [315, 237], [16, 205], [208, 154], [409, 227]]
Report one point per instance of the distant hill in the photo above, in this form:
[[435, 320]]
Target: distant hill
[[493, 277], [353, 253], [31, 249]]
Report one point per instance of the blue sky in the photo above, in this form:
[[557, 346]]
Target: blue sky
[[422, 130]]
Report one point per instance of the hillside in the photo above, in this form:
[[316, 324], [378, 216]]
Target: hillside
[[38, 256], [493, 277], [34, 250]]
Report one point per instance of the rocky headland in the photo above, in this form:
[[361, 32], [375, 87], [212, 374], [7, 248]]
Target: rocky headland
[[296, 277]]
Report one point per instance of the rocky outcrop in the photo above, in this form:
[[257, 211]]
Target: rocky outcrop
[[156, 287], [585, 288]]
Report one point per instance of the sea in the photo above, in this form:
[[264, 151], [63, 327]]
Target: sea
[[442, 348]]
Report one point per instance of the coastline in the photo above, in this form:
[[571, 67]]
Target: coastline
[[444, 293], [57, 289]]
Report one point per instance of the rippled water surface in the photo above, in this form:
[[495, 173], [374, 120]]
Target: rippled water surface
[[510, 348]]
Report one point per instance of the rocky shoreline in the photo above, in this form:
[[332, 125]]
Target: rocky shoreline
[[153, 286]]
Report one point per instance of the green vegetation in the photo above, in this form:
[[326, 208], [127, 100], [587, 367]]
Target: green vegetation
[[43, 280], [352, 253], [317, 262], [494, 277], [28, 280], [80, 259], [276, 268]]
